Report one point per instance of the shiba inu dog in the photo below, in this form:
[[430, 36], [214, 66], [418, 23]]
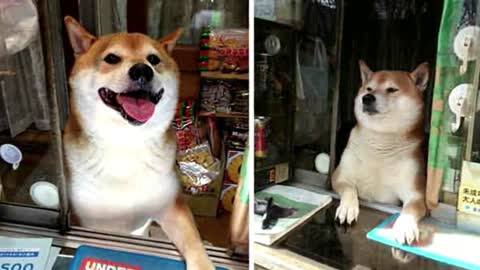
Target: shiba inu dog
[[118, 143], [383, 160]]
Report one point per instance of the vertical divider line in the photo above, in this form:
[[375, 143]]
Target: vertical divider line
[[47, 39], [335, 99], [251, 129]]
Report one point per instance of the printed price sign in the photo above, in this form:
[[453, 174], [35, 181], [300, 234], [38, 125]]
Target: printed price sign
[[469, 199]]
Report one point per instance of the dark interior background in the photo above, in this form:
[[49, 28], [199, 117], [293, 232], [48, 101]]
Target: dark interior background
[[387, 34]]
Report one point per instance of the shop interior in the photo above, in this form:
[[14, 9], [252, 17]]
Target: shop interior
[[306, 79], [211, 121]]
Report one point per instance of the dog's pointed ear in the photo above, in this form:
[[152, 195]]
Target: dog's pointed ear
[[420, 76], [80, 39], [170, 40], [365, 71]]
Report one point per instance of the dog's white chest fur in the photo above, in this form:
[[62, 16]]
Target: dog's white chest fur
[[382, 169], [129, 182]]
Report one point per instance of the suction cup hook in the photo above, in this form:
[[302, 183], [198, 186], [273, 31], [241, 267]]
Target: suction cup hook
[[466, 46], [457, 101], [11, 154]]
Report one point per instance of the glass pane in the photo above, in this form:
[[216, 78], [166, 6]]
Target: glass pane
[[163, 16], [29, 157], [211, 120], [274, 96], [316, 82]]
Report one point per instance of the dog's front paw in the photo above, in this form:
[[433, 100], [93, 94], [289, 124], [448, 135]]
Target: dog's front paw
[[406, 229], [347, 211], [200, 264]]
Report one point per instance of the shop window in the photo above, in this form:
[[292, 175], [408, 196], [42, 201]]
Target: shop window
[[34, 98]]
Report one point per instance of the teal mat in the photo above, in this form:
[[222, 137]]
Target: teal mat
[[438, 241]]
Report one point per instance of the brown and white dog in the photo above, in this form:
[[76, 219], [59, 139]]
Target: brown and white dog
[[383, 160], [119, 147]]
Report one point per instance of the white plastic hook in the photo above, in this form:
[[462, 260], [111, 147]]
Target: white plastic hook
[[457, 101], [466, 46]]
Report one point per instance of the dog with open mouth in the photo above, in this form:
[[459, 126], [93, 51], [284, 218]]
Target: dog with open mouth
[[384, 160], [118, 142]]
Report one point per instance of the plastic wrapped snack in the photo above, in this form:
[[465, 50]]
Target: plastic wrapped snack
[[198, 167], [186, 125], [225, 50]]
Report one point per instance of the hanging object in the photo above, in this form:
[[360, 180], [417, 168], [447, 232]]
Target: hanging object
[[457, 101], [11, 154], [466, 46], [18, 25]]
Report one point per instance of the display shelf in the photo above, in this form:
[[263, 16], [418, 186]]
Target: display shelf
[[225, 76], [223, 115]]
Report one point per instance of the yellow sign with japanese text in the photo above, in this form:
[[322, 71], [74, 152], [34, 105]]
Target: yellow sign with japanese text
[[469, 192]]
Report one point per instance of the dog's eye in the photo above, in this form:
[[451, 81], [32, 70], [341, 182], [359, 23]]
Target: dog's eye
[[153, 59], [112, 58], [391, 90], [369, 89]]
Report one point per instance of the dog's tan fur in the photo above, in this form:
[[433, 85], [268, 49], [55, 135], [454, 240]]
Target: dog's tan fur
[[121, 175], [383, 160]]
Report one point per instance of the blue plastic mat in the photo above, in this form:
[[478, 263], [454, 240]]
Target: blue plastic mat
[[439, 241], [88, 257]]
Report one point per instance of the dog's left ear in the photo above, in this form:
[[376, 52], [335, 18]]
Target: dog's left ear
[[171, 39], [420, 76]]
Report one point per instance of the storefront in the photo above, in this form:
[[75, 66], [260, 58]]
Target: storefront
[[211, 121], [306, 79]]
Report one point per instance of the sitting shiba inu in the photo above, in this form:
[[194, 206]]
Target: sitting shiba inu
[[383, 160], [119, 147]]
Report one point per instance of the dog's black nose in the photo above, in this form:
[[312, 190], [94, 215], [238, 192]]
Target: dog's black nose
[[368, 99], [140, 73]]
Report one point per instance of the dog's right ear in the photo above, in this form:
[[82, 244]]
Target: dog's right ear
[[80, 39], [365, 71]]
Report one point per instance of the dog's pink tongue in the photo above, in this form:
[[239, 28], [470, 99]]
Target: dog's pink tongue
[[137, 108]]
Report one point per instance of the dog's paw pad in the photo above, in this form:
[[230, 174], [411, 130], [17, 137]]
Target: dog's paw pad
[[347, 211], [406, 229]]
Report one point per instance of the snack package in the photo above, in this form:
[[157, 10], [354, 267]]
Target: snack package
[[215, 95], [197, 168], [234, 165], [235, 140], [186, 125], [225, 96], [236, 134], [186, 134], [224, 50]]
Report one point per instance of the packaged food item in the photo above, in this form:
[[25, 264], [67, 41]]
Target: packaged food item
[[215, 95], [236, 134], [228, 197], [235, 140], [197, 168], [185, 130], [185, 125], [234, 165], [224, 96], [224, 50]]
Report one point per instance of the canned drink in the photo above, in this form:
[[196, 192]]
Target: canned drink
[[262, 71], [261, 136]]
